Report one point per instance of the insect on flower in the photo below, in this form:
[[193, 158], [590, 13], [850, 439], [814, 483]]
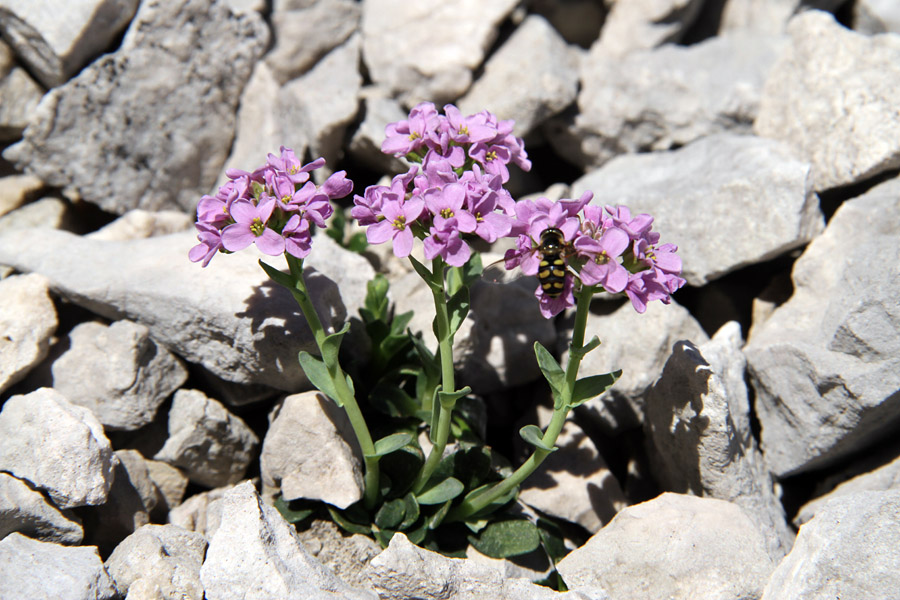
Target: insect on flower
[[553, 265]]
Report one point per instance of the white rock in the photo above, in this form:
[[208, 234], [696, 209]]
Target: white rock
[[137, 224], [201, 512], [365, 146], [230, 317], [698, 421], [635, 24], [125, 510], [46, 212], [726, 200], [574, 483], [419, 51], [675, 547], [670, 96], [833, 96], [64, 452], [165, 557], [531, 77], [305, 35], [16, 190], [405, 571], [825, 364], [346, 556], [213, 446], [126, 132], [130, 374], [170, 484], [57, 39], [33, 569], [765, 16], [849, 550], [28, 321], [24, 509], [256, 555], [310, 452], [19, 96], [639, 345], [876, 16]]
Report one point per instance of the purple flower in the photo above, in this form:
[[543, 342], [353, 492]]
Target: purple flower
[[297, 238], [493, 158], [489, 225], [250, 227], [396, 224], [210, 243], [404, 137], [446, 242], [288, 164], [601, 266], [337, 185], [446, 204]]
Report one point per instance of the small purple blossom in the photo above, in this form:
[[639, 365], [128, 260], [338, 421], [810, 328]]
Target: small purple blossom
[[210, 243], [445, 241], [249, 227], [398, 218], [297, 237]]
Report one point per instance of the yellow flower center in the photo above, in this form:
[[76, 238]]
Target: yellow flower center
[[257, 227]]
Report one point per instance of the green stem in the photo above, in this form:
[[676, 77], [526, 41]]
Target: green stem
[[471, 506], [339, 380], [441, 430]]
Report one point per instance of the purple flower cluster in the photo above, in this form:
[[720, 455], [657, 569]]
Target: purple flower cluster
[[457, 190], [611, 249], [273, 207]]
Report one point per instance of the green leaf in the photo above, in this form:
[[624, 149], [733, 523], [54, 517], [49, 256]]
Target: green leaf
[[292, 514], [357, 243], [279, 277], [553, 373], [593, 386], [402, 468], [376, 302], [552, 539], [391, 514], [425, 273], [448, 489], [389, 444], [412, 512], [331, 345], [580, 352], [383, 536], [457, 309], [399, 323], [502, 539], [348, 525], [476, 525], [534, 436], [391, 400], [318, 375], [437, 518], [493, 506], [448, 399], [418, 534], [430, 362]]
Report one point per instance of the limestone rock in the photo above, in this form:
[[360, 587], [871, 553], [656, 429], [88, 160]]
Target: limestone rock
[[19, 96], [28, 321], [46, 212], [137, 224], [27, 511], [636, 24], [876, 16], [766, 16], [16, 190], [201, 512]]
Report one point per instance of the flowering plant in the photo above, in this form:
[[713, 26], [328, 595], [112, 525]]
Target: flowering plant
[[452, 193]]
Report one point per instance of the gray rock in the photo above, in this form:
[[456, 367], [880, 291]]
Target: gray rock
[[832, 95], [65, 452], [531, 77], [28, 322], [256, 555], [130, 374], [169, 91], [698, 421], [305, 35], [19, 96], [876, 16], [138, 224], [675, 547], [886, 477], [639, 345], [429, 60], [365, 145], [139, 476], [170, 484], [574, 483], [213, 446], [161, 557], [404, 571], [125, 510], [33, 569], [849, 550], [825, 364], [16, 190], [346, 556], [27, 511], [47, 213], [726, 200], [57, 39], [230, 317], [670, 96], [201, 512], [310, 452], [766, 16], [637, 24]]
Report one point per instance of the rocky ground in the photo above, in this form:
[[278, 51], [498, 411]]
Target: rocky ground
[[152, 410]]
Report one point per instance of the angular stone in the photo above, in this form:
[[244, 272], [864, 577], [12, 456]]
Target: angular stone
[[832, 95], [170, 485], [876, 16], [64, 452], [201, 512], [404, 571], [430, 60], [538, 65], [46, 212], [849, 550], [57, 39], [639, 345], [346, 556], [33, 569], [747, 198], [365, 146], [162, 557], [256, 555], [698, 421], [766, 16], [675, 547], [213, 446], [636, 24], [310, 452], [670, 96], [130, 374], [825, 364], [125, 510], [230, 317], [574, 483], [138, 224], [305, 35], [16, 190], [28, 322], [27, 511], [125, 132], [19, 96]]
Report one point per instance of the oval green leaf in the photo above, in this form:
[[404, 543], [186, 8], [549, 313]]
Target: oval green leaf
[[391, 443], [503, 539], [448, 489]]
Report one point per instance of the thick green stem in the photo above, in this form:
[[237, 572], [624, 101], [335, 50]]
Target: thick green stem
[[561, 410], [441, 430], [339, 381]]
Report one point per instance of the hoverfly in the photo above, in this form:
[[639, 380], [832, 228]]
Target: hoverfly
[[553, 252]]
